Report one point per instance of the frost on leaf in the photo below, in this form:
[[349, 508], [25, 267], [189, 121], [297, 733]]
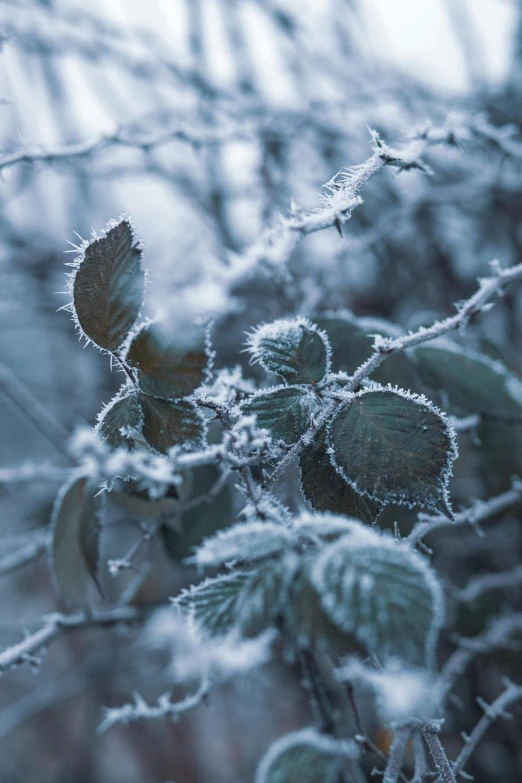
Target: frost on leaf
[[394, 447], [246, 600], [326, 490], [295, 349], [382, 592], [246, 542], [108, 287], [121, 420], [168, 423], [164, 370], [352, 339], [471, 381], [75, 541], [305, 756], [285, 411]]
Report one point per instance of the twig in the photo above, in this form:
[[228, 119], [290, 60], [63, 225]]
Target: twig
[[396, 754], [165, 708], [386, 346], [497, 634], [125, 138], [420, 762], [25, 554], [478, 512], [483, 584], [431, 735], [492, 711], [58, 624]]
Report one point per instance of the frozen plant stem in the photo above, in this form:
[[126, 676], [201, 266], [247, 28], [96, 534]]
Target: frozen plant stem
[[396, 754], [431, 735]]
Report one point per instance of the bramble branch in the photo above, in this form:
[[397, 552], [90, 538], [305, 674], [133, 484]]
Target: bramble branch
[[58, 624]]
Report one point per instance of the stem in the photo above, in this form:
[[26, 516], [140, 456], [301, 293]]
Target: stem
[[431, 735], [321, 704], [397, 750]]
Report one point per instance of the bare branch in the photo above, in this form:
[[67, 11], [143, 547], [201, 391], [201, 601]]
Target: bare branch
[[396, 754], [58, 624], [31, 551], [478, 512], [386, 346], [165, 708], [431, 735], [492, 711], [497, 634], [483, 584]]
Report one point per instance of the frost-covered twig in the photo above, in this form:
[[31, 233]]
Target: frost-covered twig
[[478, 512], [55, 626], [126, 138], [27, 553], [396, 754], [165, 708], [386, 346], [127, 561], [483, 584], [431, 735], [276, 245], [497, 709], [32, 471], [497, 634]]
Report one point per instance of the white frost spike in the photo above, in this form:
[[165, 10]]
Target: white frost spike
[[247, 541]]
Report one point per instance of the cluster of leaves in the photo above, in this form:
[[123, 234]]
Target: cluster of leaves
[[325, 580]]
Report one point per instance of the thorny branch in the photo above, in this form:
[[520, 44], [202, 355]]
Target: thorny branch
[[58, 624]]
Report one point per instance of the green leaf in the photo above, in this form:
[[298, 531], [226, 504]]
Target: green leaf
[[168, 423], [352, 337], [163, 370], [285, 411], [305, 756], [75, 541], [472, 382], [248, 601], [382, 592], [130, 497], [305, 620], [326, 490], [121, 421], [201, 519], [394, 448], [108, 287], [245, 542], [294, 349]]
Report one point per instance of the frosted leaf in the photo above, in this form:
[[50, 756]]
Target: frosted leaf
[[305, 756], [471, 381], [326, 490], [168, 423], [394, 447], [244, 600], [166, 369], [305, 621], [108, 285], [121, 421], [323, 527], [75, 540], [379, 590], [401, 693], [284, 410], [244, 542], [294, 349]]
